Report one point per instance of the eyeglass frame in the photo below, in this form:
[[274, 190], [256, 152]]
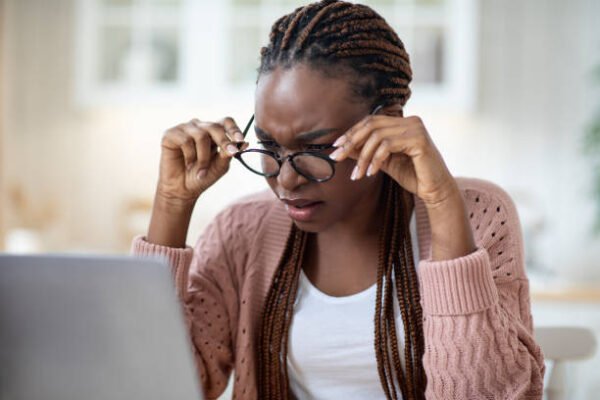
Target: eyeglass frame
[[290, 157]]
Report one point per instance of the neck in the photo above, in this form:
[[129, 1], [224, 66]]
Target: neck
[[343, 259], [360, 232]]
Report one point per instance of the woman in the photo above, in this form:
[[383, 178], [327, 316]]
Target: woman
[[313, 292]]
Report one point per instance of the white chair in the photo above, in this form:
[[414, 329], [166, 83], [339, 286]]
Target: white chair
[[562, 344]]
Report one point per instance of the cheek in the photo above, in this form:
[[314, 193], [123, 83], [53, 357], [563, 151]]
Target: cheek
[[344, 169], [272, 182], [345, 191], [340, 186]]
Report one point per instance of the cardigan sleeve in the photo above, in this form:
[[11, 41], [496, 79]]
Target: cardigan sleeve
[[477, 317], [206, 278]]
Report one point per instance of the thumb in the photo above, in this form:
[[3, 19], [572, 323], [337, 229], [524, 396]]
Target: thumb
[[221, 164], [222, 160]]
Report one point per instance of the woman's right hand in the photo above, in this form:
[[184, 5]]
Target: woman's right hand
[[194, 156]]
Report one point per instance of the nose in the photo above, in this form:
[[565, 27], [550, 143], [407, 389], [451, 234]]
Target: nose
[[288, 178]]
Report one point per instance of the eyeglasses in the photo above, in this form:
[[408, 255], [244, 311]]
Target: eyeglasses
[[312, 163]]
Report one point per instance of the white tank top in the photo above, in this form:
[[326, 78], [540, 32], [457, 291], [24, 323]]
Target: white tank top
[[331, 350]]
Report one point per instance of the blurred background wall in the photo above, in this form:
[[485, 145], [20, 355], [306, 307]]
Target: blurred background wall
[[80, 152], [82, 124], [505, 88]]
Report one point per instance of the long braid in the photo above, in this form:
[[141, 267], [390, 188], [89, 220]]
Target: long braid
[[388, 312], [274, 318], [380, 342], [330, 34], [415, 305], [393, 263]]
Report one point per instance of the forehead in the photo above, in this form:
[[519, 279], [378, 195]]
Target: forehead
[[296, 100]]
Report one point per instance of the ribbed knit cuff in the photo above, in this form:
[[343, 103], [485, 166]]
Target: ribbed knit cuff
[[456, 287], [179, 259]]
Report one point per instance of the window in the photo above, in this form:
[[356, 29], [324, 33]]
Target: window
[[439, 36], [129, 46], [163, 50]]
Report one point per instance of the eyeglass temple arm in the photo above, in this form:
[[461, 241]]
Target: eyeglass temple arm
[[248, 126], [376, 109]]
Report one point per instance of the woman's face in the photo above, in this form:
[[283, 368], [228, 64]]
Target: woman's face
[[291, 103]]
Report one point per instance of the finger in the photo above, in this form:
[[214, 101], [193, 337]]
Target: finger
[[219, 160], [233, 131], [354, 138], [186, 144], [379, 158], [202, 144], [378, 138], [204, 149], [390, 147], [218, 135], [357, 137]]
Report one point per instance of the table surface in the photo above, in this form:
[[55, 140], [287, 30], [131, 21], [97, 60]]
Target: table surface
[[573, 293]]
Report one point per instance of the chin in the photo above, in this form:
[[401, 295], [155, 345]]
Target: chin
[[310, 226]]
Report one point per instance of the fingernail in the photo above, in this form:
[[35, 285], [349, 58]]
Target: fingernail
[[231, 149], [239, 137], [370, 170], [336, 153], [340, 141], [201, 173], [354, 173]]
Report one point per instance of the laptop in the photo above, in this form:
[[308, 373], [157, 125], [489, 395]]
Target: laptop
[[91, 327]]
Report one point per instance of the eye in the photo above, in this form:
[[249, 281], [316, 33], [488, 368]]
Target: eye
[[268, 144], [318, 147]]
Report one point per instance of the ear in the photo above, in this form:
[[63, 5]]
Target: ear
[[395, 110]]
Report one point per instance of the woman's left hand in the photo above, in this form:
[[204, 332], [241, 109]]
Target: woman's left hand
[[403, 149]]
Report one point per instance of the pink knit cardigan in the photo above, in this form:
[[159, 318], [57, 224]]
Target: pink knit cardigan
[[476, 311]]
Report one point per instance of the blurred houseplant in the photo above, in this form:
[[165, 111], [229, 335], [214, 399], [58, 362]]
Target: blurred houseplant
[[592, 150]]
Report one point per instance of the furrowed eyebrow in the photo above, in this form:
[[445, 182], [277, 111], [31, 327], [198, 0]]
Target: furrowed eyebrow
[[261, 135], [310, 136], [302, 138]]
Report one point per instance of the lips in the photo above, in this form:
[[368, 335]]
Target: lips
[[300, 203], [302, 210]]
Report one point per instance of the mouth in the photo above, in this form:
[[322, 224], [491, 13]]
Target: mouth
[[301, 209], [300, 203]]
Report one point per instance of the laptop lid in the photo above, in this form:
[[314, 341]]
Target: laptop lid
[[77, 327]]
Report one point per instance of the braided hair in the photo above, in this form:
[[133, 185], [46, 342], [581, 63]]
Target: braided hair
[[331, 35]]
